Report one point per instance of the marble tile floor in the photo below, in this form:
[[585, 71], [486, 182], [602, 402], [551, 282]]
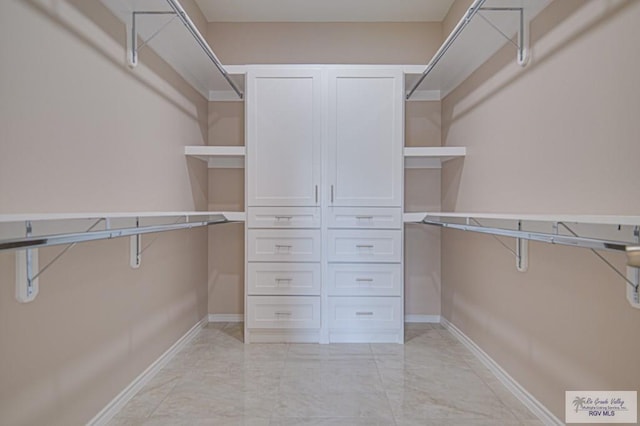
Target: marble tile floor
[[218, 380]]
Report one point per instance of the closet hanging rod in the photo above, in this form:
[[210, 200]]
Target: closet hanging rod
[[473, 9], [79, 237], [566, 240], [177, 7]]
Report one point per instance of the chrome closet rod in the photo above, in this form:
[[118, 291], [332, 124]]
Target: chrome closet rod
[[565, 240], [79, 237], [473, 9], [177, 7]]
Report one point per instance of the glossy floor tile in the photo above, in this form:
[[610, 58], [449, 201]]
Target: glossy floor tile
[[430, 380]]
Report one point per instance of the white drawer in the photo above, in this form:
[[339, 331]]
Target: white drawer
[[283, 217], [283, 312], [365, 218], [283, 245], [365, 313], [364, 246], [364, 279], [284, 278]]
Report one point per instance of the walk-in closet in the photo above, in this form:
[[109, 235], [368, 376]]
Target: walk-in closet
[[269, 213]]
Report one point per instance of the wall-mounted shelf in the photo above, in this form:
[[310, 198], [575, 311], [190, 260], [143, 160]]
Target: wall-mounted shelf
[[431, 157], [593, 232], [567, 218], [218, 157], [173, 38], [481, 32], [26, 233]]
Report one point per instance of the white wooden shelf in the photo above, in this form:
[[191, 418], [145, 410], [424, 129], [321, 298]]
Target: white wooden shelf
[[431, 157], [35, 217], [175, 44], [221, 157], [566, 218], [477, 42]]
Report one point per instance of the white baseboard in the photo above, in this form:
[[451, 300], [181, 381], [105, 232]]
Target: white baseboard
[[431, 319], [535, 406], [226, 318], [114, 407]]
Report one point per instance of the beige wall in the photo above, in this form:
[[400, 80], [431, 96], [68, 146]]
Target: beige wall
[[82, 132], [324, 43], [353, 43], [560, 136]]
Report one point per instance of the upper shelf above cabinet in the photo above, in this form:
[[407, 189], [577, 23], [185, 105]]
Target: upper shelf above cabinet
[[486, 27], [431, 157], [218, 157], [164, 26]]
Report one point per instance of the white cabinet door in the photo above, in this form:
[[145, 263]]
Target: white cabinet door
[[284, 130], [366, 129]]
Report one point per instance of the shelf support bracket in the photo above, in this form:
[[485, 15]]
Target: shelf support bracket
[[634, 282], [132, 35], [135, 253], [523, 31], [522, 252], [633, 275], [135, 244], [27, 285]]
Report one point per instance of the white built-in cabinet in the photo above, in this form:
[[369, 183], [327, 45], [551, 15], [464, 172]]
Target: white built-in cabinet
[[365, 122], [324, 175], [284, 132]]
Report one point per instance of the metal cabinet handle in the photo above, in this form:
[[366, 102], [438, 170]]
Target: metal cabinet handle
[[284, 279], [364, 246], [368, 280], [278, 218], [361, 314], [282, 246], [283, 314], [316, 194], [332, 194], [364, 217]]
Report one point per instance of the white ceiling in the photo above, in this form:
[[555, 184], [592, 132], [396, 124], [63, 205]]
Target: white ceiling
[[324, 10]]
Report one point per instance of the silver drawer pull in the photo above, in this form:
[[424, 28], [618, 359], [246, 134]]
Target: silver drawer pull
[[283, 280], [362, 314], [278, 218], [364, 246], [364, 217], [367, 280], [283, 246], [284, 313]]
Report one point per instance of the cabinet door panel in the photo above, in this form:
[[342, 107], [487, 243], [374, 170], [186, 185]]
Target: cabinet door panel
[[283, 137], [365, 138]]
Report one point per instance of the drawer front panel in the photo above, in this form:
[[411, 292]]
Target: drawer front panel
[[283, 312], [364, 279], [364, 246], [284, 278], [365, 313], [365, 218], [283, 217], [276, 245]]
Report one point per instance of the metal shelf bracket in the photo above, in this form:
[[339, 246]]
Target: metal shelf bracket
[[521, 252], [132, 35], [27, 285], [523, 31], [633, 276], [28, 271], [135, 252]]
